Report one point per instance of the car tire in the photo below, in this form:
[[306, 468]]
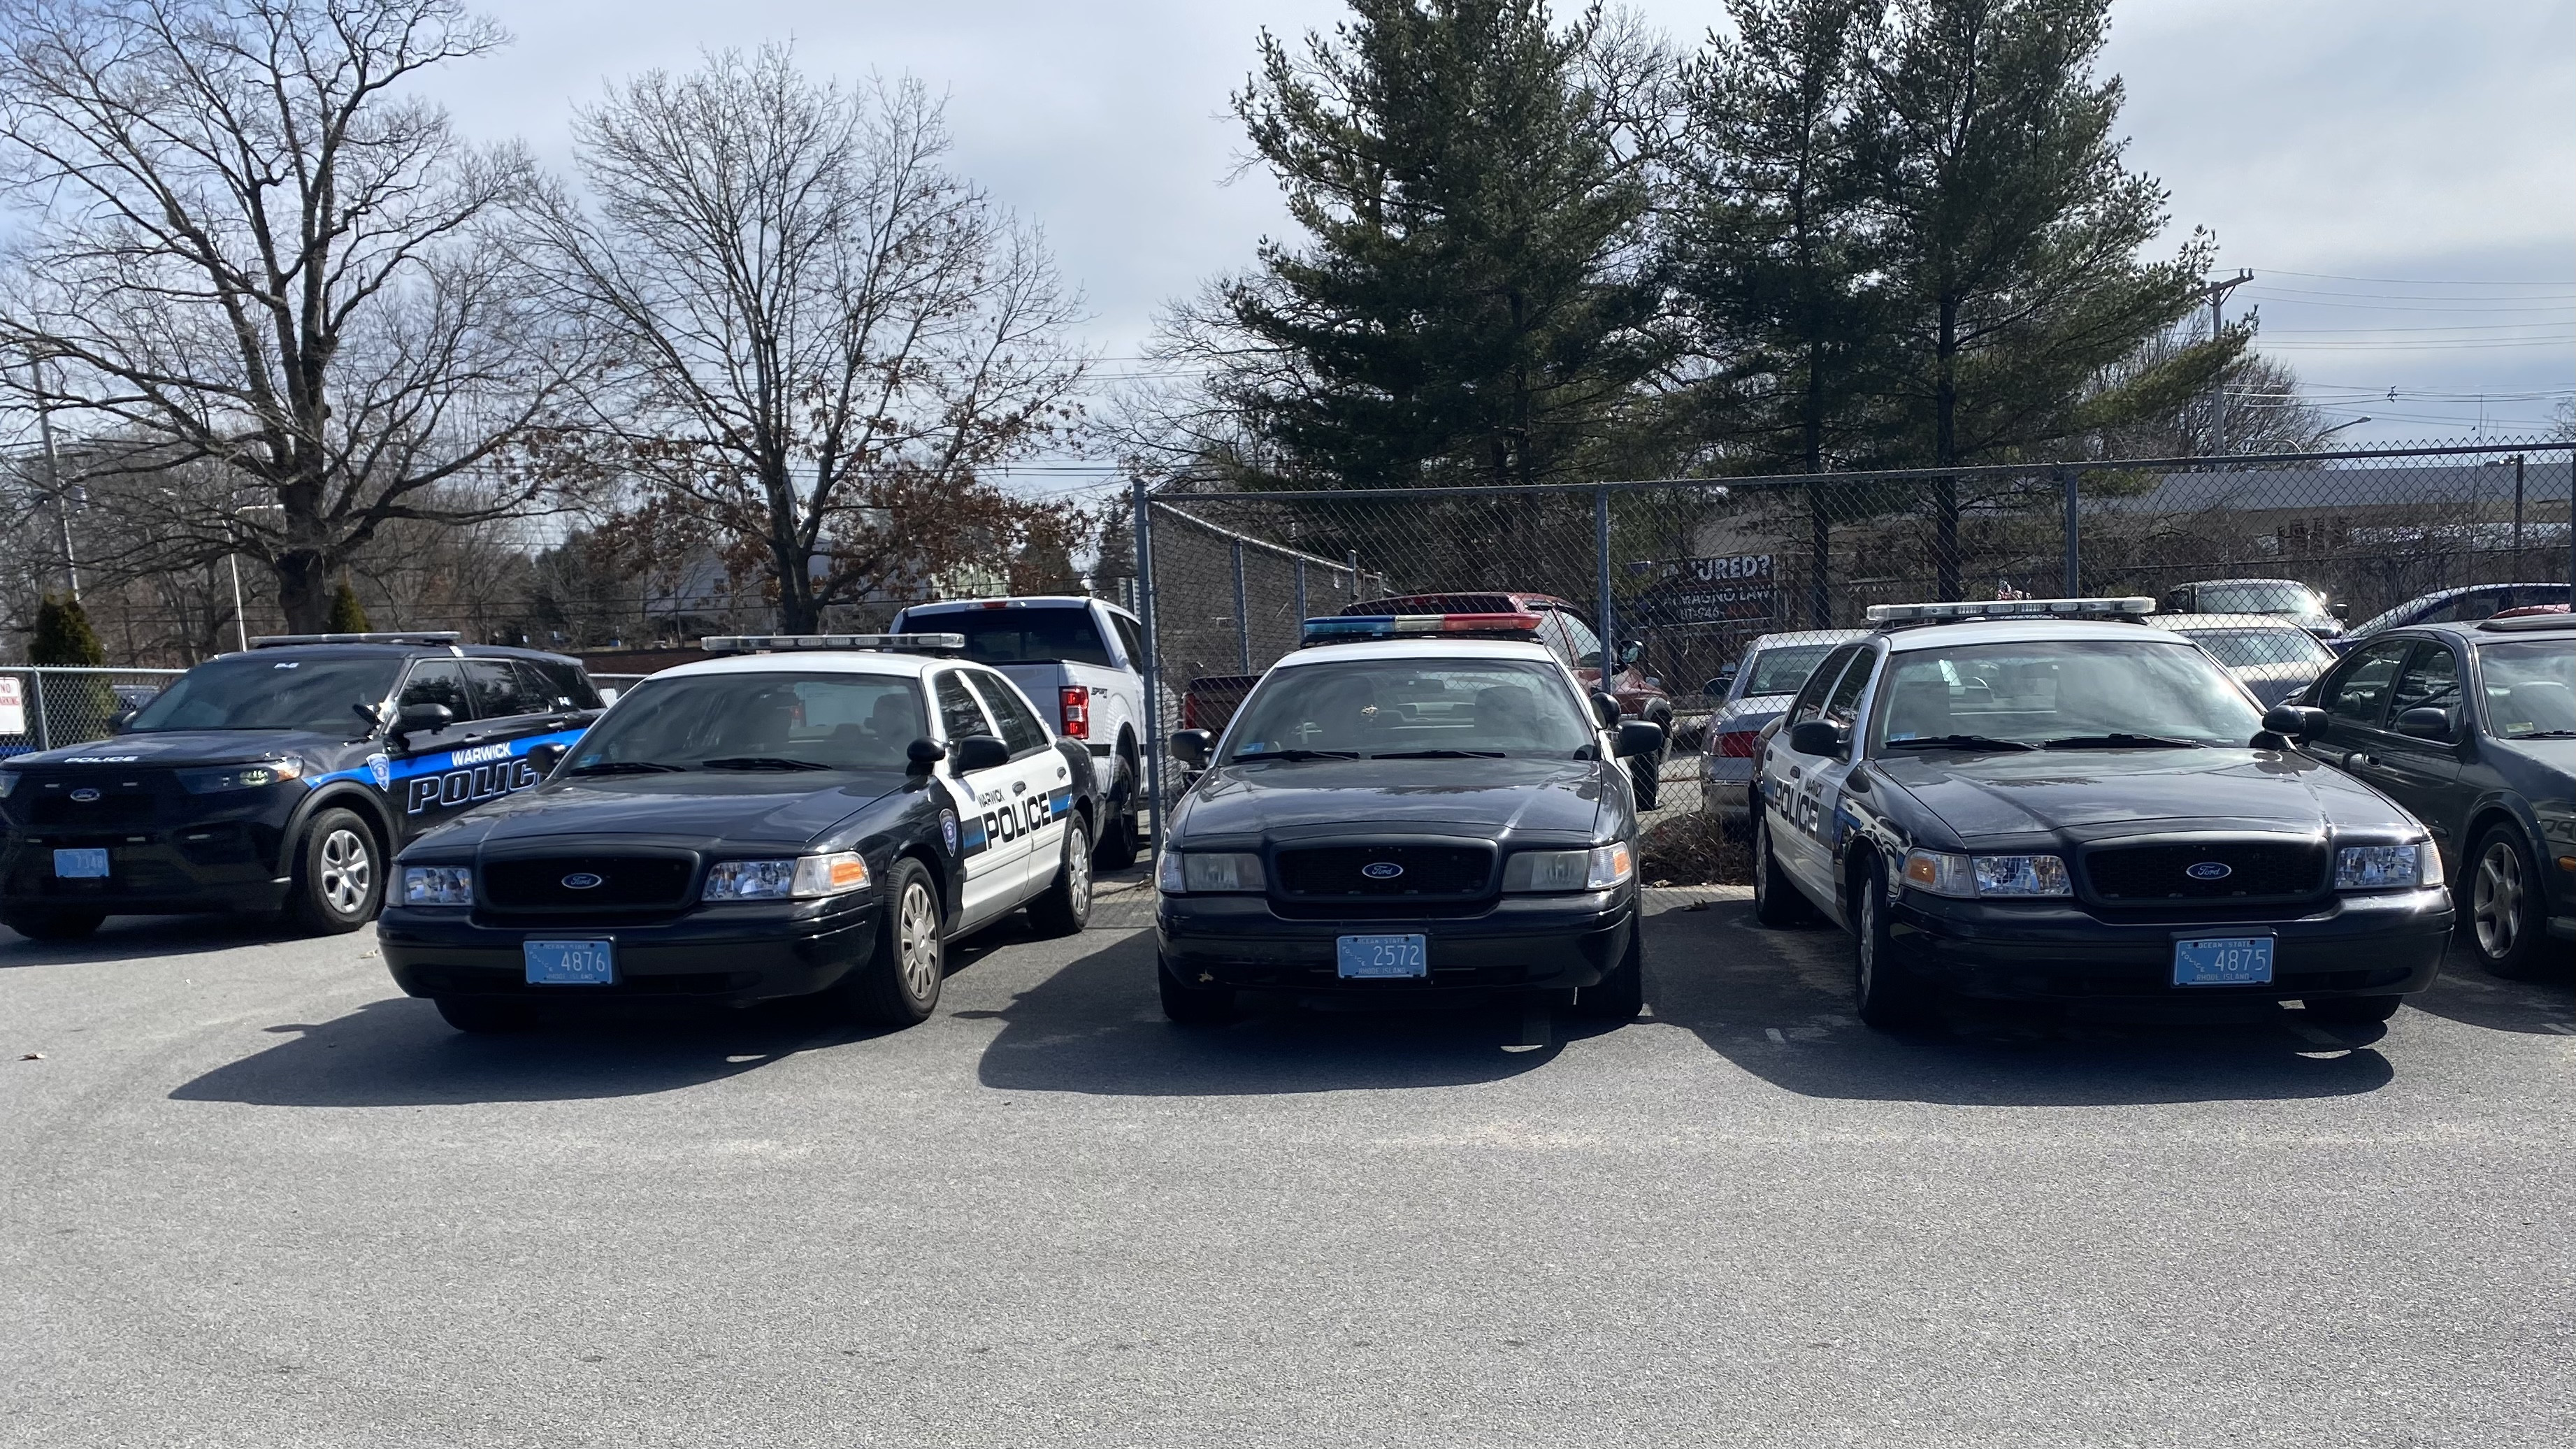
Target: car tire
[[1889, 997], [2355, 1009], [898, 985], [1193, 1005], [2500, 905], [1065, 906], [1620, 994], [1117, 847], [339, 880], [52, 925], [1776, 900], [482, 1015]]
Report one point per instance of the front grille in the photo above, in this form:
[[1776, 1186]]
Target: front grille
[[121, 805], [2256, 870], [1340, 872], [626, 882]]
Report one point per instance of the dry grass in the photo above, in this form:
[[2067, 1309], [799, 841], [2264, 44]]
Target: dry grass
[[1689, 849]]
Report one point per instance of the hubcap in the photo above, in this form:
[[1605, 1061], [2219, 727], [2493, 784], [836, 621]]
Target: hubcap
[[346, 871], [2495, 902], [1077, 869], [1761, 862], [917, 929], [1867, 921]]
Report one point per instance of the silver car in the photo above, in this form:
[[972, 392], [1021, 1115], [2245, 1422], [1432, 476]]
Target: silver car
[[1751, 693], [2273, 658]]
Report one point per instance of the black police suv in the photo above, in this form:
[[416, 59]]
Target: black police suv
[[2472, 727], [807, 816], [280, 778], [1408, 808], [2089, 811]]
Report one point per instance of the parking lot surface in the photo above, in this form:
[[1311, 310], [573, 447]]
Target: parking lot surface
[[250, 1196]]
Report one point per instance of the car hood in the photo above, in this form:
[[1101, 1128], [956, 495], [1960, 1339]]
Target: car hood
[[2558, 755], [1488, 796], [696, 809], [2092, 793], [162, 749]]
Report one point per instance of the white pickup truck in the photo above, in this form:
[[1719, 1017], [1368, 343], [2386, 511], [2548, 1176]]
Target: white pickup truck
[[1081, 661]]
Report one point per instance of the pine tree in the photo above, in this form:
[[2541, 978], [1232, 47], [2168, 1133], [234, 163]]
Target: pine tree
[[63, 638], [348, 616]]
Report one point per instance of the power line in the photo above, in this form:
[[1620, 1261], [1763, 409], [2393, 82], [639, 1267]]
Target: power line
[[2409, 281]]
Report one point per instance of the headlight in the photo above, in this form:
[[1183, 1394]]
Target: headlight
[[1537, 872], [240, 777], [1197, 872], [803, 878], [437, 885], [2387, 867], [1969, 877], [8, 782]]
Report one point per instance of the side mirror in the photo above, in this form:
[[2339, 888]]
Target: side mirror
[[981, 752], [1725, 679], [2340, 611], [117, 722], [608, 696], [421, 719], [1819, 737], [2425, 722], [1190, 747], [1631, 652], [2296, 721], [1605, 708], [546, 757], [1638, 737], [924, 753]]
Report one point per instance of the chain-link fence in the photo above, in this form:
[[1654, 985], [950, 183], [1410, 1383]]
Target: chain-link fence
[[1695, 572], [46, 708]]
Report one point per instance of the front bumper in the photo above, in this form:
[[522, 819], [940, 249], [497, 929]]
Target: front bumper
[[733, 957], [1518, 943], [225, 864], [2383, 944]]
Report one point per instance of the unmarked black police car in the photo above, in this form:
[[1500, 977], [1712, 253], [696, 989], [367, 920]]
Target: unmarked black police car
[[1409, 807], [810, 814], [2015, 800], [278, 778]]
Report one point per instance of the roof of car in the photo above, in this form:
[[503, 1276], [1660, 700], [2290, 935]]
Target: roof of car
[[1050, 600], [2490, 630], [1791, 638], [401, 651], [814, 661], [2269, 623], [1417, 649], [2208, 583], [2015, 630]]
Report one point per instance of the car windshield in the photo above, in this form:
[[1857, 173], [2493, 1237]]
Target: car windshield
[[2529, 687], [762, 721], [1019, 635], [2253, 648], [265, 691], [2066, 690], [1783, 668], [1380, 708], [2256, 596]]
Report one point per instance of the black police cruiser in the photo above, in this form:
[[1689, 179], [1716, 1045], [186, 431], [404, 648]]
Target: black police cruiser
[[1411, 807], [808, 814], [278, 778], [2044, 799]]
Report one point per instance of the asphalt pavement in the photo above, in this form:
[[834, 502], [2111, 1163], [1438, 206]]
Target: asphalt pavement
[[250, 1196]]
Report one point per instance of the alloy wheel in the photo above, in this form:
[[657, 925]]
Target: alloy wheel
[[2495, 901], [1077, 873], [1866, 921], [917, 936], [348, 870]]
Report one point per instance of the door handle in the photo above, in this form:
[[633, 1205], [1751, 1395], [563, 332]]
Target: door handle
[[2360, 759], [1019, 787], [1797, 774]]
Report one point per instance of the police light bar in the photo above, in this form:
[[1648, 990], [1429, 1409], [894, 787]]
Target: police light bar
[[1363, 628], [2011, 609], [406, 636], [765, 643]]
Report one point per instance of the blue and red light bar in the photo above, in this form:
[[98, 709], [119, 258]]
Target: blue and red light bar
[[1370, 628]]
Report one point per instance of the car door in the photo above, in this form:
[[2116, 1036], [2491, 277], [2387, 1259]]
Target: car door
[[2355, 699], [1786, 778], [995, 858], [427, 785], [1040, 781], [1820, 793], [2421, 774], [514, 704]]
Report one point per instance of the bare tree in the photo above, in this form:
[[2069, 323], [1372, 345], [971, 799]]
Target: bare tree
[[827, 333], [253, 248]]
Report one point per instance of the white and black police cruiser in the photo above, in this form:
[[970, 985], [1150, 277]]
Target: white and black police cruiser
[[2043, 799], [807, 814], [279, 778], [1410, 807]]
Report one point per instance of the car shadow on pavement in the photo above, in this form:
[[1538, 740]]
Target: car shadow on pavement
[[139, 938], [1096, 1025], [2466, 992], [1778, 1004], [398, 1053]]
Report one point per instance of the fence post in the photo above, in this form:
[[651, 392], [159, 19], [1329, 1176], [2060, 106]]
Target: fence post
[[44, 737], [1355, 576], [2074, 546], [1242, 617], [1601, 571], [1301, 596], [2517, 512], [1144, 531]]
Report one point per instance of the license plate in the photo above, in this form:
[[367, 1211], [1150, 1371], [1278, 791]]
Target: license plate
[[570, 963], [89, 864], [2223, 961], [1376, 958]]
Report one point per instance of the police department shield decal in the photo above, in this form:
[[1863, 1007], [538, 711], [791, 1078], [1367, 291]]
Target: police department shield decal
[[382, 769], [948, 831]]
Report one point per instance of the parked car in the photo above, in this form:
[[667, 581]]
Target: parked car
[[2456, 606], [2286, 597], [1083, 661], [2274, 661], [2472, 727], [2083, 811], [1751, 693]]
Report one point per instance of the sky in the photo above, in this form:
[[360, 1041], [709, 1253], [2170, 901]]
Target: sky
[[2399, 177]]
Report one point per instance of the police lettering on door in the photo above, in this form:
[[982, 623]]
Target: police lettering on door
[[1002, 822], [485, 772]]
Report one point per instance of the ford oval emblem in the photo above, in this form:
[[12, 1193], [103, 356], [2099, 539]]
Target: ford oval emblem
[[84, 794], [1381, 870], [2209, 870], [580, 880]]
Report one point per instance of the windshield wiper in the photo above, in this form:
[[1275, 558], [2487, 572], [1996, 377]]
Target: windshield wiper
[[1241, 758], [1958, 742], [2117, 741], [759, 762], [626, 767], [1438, 755], [2542, 735]]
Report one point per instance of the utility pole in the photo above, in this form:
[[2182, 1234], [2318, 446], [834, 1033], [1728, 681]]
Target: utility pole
[[54, 472], [2217, 292]]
